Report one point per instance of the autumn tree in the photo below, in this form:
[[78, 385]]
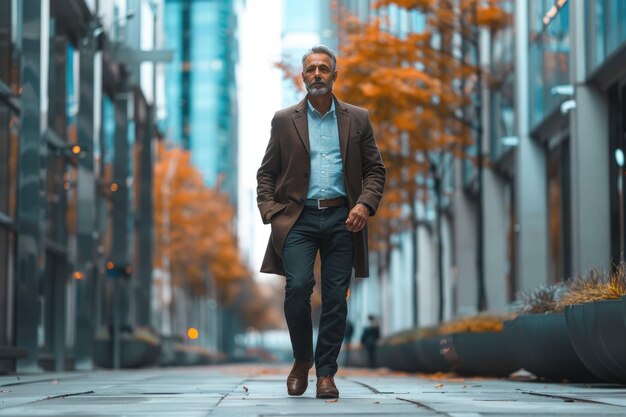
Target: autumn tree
[[195, 238], [423, 92]]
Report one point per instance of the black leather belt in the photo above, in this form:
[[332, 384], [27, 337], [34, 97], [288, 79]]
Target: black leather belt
[[323, 204]]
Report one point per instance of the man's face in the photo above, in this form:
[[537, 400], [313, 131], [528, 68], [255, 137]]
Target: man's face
[[318, 75]]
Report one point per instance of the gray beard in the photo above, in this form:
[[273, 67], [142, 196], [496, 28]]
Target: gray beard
[[317, 91]]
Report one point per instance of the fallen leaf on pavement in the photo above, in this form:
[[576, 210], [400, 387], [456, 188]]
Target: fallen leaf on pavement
[[439, 386]]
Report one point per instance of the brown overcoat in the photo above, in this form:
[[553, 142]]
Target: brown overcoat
[[283, 178]]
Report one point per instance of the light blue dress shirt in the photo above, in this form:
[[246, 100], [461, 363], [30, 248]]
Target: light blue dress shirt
[[326, 163]]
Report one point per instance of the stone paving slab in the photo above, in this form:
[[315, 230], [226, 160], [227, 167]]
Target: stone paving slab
[[259, 391]]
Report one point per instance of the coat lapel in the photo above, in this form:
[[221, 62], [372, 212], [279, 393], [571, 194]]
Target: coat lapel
[[343, 124], [300, 121]]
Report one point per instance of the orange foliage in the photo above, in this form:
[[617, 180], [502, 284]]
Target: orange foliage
[[199, 239], [406, 4], [194, 229], [415, 87]]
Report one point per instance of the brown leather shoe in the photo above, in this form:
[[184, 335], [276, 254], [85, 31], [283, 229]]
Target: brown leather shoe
[[298, 379], [326, 387]]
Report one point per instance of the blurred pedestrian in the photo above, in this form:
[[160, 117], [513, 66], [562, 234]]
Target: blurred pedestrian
[[347, 338], [321, 178], [371, 334]]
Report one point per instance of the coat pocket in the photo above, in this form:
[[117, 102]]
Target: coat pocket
[[276, 208]]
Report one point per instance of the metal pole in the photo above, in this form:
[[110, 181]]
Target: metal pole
[[480, 258]]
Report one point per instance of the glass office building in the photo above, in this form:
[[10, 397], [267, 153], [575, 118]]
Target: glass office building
[[200, 86]]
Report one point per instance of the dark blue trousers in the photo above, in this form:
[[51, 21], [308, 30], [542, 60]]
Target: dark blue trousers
[[322, 230]]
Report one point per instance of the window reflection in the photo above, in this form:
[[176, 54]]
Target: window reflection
[[9, 153], [617, 122], [5, 40], [8, 161], [549, 57], [7, 247], [502, 87], [559, 213], [619, 159], [607, 28]]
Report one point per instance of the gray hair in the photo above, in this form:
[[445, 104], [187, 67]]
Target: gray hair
[[321, 49]]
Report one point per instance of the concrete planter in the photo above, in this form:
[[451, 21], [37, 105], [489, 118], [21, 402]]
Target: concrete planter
[[611, 332], [541, 345], [400, 356], [485, 353], [429, 352], [583, 326], [135, 353]]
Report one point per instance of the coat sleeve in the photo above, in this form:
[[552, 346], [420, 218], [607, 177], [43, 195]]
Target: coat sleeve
[[267, 174], [373, 170]]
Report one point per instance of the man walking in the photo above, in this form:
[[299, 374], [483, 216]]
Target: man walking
[[321, 177]]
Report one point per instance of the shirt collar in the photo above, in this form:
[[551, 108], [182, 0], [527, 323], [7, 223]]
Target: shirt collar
[[311, 109]]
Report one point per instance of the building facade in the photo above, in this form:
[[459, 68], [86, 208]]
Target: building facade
[[76, 134], [549, 204], [201, 87]]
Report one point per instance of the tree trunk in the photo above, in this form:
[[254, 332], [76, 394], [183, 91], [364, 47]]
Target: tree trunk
[[439, 232]]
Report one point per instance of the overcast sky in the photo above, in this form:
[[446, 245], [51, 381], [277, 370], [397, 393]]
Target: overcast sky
[[259, 95]]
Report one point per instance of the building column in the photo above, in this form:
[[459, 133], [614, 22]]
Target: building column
[[589, 153], [496, 243], [144, 220], [121, 206], [32, 176], [464, 281], [530, 180], [57, 268], [86, 273]]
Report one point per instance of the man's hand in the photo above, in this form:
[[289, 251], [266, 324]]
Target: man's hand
[[357, 219]]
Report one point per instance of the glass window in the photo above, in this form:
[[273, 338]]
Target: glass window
[[108, 135], [7, 255], [559, 214], [173, 26], [418, 21], [503, 88], [470, 112], [57, 183], [615, 24], [10, 45], [9, 154], [72, 79], [5, 40], [617, 126], [549, 56], [606, 25]]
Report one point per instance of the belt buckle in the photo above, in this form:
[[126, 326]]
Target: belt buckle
[[319, 207]]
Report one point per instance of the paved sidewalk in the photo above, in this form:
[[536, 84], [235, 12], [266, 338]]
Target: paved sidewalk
[[257, 390]]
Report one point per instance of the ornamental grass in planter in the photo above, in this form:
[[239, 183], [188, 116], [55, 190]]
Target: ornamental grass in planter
[[538, 337], [479, 323], [595, 321], [594, 286], [539, 300], [477, 345]]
